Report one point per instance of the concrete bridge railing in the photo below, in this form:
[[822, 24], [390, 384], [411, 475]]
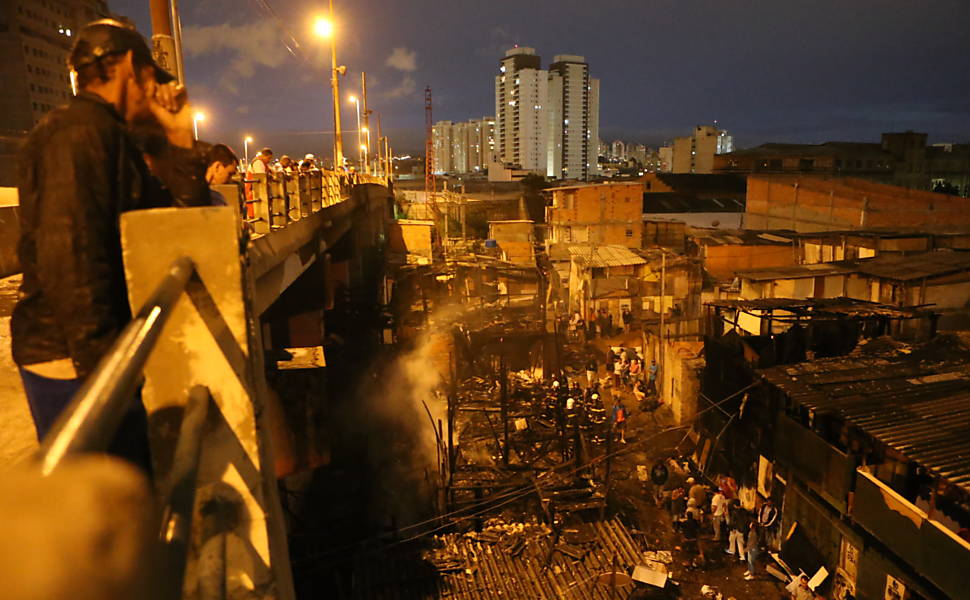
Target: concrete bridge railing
[[198, 283]]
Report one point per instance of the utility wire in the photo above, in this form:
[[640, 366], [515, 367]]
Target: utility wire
[[512, 495]]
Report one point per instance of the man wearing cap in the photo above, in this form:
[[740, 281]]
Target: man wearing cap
[[79, 170]]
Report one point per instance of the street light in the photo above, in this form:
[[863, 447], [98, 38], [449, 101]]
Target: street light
[[196, 119], [360, 143], [246, 143], [324, 28]]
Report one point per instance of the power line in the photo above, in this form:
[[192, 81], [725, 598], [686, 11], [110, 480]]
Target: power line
[[489, 505]]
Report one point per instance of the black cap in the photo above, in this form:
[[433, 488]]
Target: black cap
[[108, 36]]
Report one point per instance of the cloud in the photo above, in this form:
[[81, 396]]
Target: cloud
[[245, 47], [403, 59], [500, 39], [404, 89]]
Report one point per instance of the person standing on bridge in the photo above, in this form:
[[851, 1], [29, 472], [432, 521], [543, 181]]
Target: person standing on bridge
[[263, 163], [222, 164], [79, 169]]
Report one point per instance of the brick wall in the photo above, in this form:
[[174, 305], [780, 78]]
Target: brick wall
[[822, 204]]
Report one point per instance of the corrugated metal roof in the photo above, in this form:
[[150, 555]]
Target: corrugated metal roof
[[606, 256], [673, 202], [823, 307], [515, 561], [885, 266], [920, 408], [590, 185], [739, 237], [796, 272], [613, 287], [914, 266]]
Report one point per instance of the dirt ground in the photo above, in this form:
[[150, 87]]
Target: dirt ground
[[650, 437], [17, 437]]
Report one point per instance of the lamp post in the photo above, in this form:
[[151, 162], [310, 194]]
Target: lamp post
[[363, 93], [360, 142], [246, 142], [378, 159], [325, 29], [196, 119]]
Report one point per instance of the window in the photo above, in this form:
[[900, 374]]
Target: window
[[629, 233]]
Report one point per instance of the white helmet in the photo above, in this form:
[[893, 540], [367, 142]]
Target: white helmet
[[595, 396], [309, 156], [555, 383]]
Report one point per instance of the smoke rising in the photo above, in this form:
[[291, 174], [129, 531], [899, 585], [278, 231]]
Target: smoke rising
[[407, 456]]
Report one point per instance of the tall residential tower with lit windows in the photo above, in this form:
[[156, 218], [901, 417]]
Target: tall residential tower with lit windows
[[521, 120], [547, 122], [35, 38], [573, 112]]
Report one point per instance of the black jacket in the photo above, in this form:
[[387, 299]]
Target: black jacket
[[79, 170]]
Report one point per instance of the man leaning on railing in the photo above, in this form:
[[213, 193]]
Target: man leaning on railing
[[79, 170]]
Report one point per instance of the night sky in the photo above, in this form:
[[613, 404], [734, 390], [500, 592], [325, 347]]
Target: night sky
[[766, 70]]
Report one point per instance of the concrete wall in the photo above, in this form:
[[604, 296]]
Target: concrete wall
[[680, 364], [411, 237], [722, 262], [931, 549], [950, 295], [9, 231], [511, 231], [816, 204]]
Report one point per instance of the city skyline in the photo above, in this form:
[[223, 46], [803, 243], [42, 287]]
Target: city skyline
[[767, 73]]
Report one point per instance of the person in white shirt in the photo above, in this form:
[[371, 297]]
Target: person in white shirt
[[262, 163], [718, 510]]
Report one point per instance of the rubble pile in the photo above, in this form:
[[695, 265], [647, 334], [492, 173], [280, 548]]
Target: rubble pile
[[531, 560]]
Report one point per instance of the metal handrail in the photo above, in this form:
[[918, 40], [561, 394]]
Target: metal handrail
[[89, 422], [178, 497]]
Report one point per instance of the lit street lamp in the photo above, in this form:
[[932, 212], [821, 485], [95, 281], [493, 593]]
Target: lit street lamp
[[324, 28], [196, 119], [246, 143]]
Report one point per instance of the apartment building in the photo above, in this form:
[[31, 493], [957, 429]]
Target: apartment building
[[573, 109], [695, 153], [521, 92], [35, 38]]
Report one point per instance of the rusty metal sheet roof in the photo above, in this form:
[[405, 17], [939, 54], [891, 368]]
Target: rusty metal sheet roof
[[492, 572], [914, 266], [893, 266], [512, 560], [796, 272], [841, 307], [606, 256], [740, 237], [920, 408]]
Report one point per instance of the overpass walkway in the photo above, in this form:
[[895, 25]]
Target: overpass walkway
[[210, 525]]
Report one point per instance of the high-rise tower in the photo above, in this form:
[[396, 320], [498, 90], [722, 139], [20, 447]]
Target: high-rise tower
[[521, 90], [573, 113], [35, 38]]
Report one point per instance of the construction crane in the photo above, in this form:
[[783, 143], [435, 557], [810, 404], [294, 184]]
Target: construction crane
[[429, 178]]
